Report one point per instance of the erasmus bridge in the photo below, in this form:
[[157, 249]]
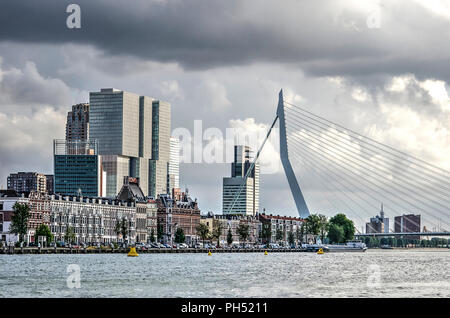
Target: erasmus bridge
[[355, 174]]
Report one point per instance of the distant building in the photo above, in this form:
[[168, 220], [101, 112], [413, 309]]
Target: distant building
[[146, 209], [159, 163], [7, 200], [247, 202], [270, 225], [78, 169], [25, 182], [39, 213], [178, 211], [77, 125], [407, 224], [232, 222], [378, 224], [133, 134], [173, 177], [50, 183]]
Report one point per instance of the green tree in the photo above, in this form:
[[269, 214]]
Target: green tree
[[291, 238], [301, 232], [229, 237], [336, 233], [159, 230], [43, 230], [243, 230], [124, 228], [279, 235], [179, 236], [19, 220], [217, 231], [313, 225], [347, 224], [202, 231], [69, 236], [121, 228], [323, 226], [152, 235], [266, 233]]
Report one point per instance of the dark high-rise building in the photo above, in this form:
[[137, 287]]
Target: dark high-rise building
[[25, 182], [78, 168], [77, 125], [407, 224], [50, 183]]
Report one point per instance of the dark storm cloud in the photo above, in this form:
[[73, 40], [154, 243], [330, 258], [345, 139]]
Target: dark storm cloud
[[322, 37]]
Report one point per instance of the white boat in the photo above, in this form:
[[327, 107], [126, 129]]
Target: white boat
[[350, 246]]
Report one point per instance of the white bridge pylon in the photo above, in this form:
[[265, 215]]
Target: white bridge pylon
[[300, 202]]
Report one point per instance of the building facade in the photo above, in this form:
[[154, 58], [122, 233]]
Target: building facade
[[178, 212], [407, 223], [378, 224], [93, 220], [159, 163], [247, 202], [77, 125], [173, 176], [26, 182], [133, 134], [232, 223], [78, 168], [276, 229]]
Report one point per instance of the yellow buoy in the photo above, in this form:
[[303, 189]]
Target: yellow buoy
[[265, 253], [132, 252], [209, 253], [320, 251]]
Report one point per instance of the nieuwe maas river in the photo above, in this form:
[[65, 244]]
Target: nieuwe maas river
[[375, 273]]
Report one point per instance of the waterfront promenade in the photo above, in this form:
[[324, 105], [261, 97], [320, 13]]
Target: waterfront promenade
[[96, 250]]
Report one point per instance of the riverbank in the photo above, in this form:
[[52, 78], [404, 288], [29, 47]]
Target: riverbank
[[91, 250]]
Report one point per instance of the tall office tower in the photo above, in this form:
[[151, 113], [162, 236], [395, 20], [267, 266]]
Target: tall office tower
[[173, 177], [159, 163], [114, 122], [78, 168], [133, 134], [247, 202], [25, 182], [77, 125]]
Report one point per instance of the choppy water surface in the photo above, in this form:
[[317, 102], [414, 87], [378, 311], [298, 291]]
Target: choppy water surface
[[382, 273]]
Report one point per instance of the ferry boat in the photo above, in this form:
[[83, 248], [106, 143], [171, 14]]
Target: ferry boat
[[350, 246]]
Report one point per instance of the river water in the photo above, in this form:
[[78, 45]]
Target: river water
[[375, 273]]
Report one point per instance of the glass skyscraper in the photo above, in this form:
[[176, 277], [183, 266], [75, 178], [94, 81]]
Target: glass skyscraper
[[247, 202], [77, 168], [159, 163], [133, 134]]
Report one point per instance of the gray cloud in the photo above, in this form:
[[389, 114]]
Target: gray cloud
[[323, 38]]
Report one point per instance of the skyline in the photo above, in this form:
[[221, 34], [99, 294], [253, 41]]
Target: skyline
[[360, 77]]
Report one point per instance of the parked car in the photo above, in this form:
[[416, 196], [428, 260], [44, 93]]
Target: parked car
[[183, 245]]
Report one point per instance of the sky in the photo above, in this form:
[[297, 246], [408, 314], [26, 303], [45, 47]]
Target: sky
[[377, 67]]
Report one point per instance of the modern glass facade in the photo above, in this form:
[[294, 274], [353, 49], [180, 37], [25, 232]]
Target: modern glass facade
[[159, 163], [114, 122], [173, 179], [77, 174], [248, 201], [77, 168]]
